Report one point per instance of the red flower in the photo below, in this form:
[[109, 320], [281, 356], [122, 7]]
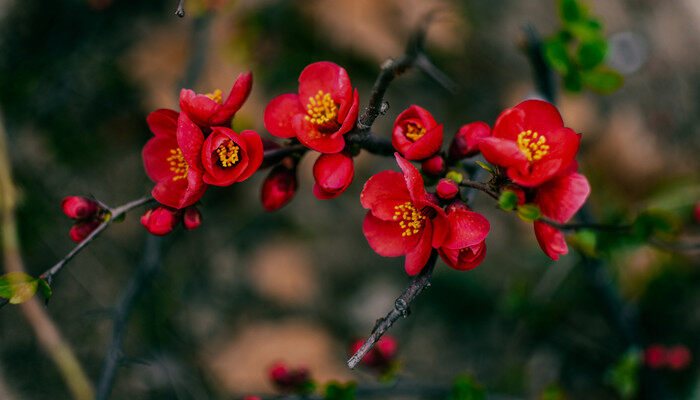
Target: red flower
[[210, 109], [324, 110], [464, 247], [402, 219], [228, 157], [447, 188], [466, 141], [333, 174], [160, 220], [678, 357], [82, 229], [416, 135], [531, 142], [177, 173], [559, 199], [77, 207], [279, 187], [434, 165], [192, 218], [379, 356]]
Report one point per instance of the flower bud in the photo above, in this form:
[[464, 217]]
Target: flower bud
[[333, 174], [160, 220], [447, 188], [82, 229], [279, 187], [77, 207], [289, 379], [192, 218], [678, 357], [466, 141], [434, 165], [655, 356]]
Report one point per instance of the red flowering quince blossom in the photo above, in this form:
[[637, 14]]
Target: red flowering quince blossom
[[531, 142], [416, 135], [333, 174], [178, 179], [402, 220], [325, 108], [465, 246], [466, 141], [210, 109]]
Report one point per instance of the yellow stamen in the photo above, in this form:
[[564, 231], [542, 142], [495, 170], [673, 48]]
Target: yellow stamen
[[321, 109], [228, 153], [178, 165], [410, 219], [216, 96], [414, 131], [532, 145]]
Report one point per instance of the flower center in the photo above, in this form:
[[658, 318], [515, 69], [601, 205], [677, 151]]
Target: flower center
[[414, 131], [410, 219], [228, 154], [532, 144], [216, 96], [322, 110], [178, 165]]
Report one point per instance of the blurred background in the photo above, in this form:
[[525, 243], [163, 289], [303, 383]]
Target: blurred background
[[248, 288]]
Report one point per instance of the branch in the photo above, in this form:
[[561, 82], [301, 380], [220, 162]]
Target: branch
[[543, 75], [480, 186], [401, 309], [180, 12], [585, 225], [371, 142], [150, 265]]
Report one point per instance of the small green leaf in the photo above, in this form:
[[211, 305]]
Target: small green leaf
[[465, 388], [603, 80], [572, 81], [591, 54], [338, 391], [529, 212], [508, 200], [484, 166], [455, 176], [572, 10], [45, 289], [624, 375], [556, 55], [586, 31], [18, 287], [584, 242]]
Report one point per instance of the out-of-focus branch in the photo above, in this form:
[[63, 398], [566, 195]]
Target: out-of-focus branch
[[585, 225], [46, 332], [401, 309], [543, 75], [180, 12], [150, 265]]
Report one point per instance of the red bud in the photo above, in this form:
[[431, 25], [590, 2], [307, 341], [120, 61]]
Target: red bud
[[82, 229], [79, 207], [192, 218], [279, 187], [434, 165], [333, 174], [655, 356], [466, 141], [160, 220], [678, 357], [288, 379], [447, 188]]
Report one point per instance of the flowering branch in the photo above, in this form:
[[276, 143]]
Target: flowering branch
[[401, 309]]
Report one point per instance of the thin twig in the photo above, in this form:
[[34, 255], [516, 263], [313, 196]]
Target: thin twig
[[543, 75], [401, 309], [584, 225], [180, 12], [150, 266], [480, 186], [427, 66]]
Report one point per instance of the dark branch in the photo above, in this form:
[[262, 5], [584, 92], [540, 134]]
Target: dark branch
[[274, 156], [543, 75], [150, 265], [480, 186], [371, 142], [401, 309], [180, 12], [585, 225]]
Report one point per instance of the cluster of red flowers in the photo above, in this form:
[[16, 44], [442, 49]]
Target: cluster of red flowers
[[290, 380], [86, 213], [658, 356], [195, 148]]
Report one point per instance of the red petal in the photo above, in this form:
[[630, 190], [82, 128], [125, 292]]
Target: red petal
[[279, 113], [155, 154], [215, 174], [239, 92], [418, 257], [254, 151], [414, 181], [385, 237], [509, 124], [350, 119], [180, 193], [427, 145], [198, 107], [327, 77], [163, 122], [333, 171], [466, 228], [562, 197], [382, 187], [502, 152], [190, 139], [309, 136], [540, 116], [551, 240]]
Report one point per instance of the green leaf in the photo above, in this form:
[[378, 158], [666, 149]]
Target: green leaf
[[584, 242], [529, 212], [484, 166], [454, 176], [603, 80], [465, 388], [508, 200], [45, 289], [591, 54], [655, 222], [572, 81], [338, 391], [18, 287], [556, 55], [586, 31], [624, 375], [572, 10]]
